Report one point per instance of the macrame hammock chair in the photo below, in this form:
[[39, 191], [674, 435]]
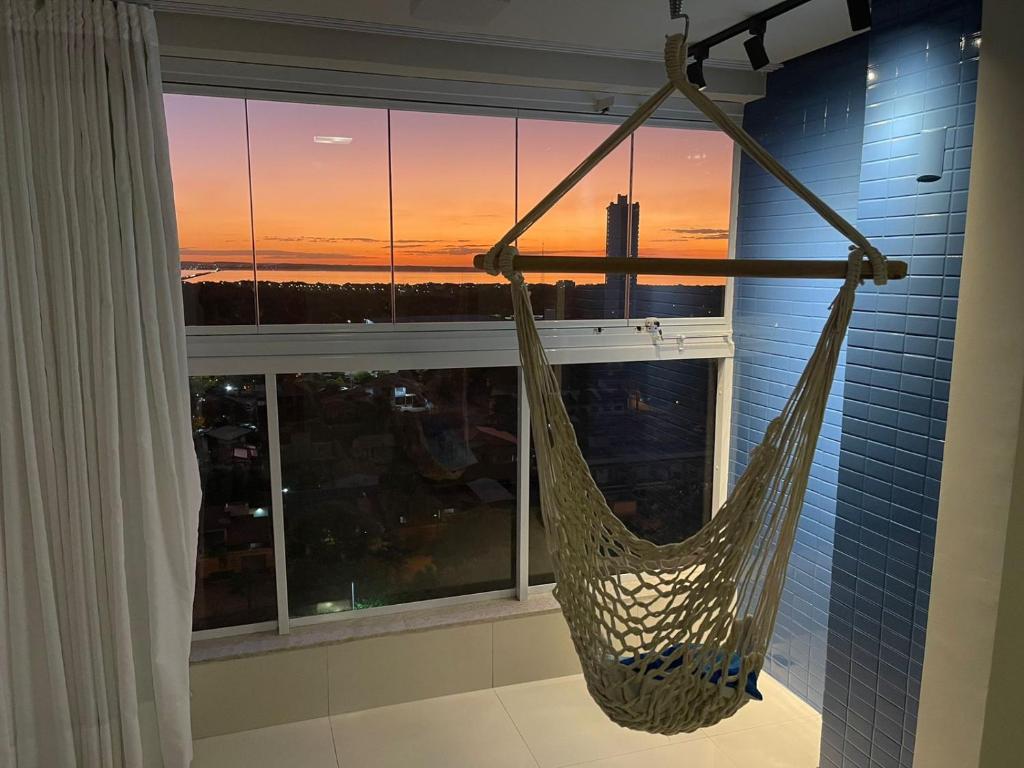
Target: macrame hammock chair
[[671, 637]]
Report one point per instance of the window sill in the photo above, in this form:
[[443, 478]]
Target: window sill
[[343, 630]]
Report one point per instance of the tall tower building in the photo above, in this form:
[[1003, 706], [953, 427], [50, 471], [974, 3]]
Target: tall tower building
[[620, 222], [622, 239]]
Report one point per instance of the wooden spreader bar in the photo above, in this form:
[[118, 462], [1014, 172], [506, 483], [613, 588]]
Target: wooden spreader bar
[[813, 269]]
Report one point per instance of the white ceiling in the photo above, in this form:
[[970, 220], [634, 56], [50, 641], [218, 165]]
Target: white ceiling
[[629, 28]]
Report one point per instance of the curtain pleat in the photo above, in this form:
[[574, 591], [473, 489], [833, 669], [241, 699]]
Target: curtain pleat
[[99, 489]]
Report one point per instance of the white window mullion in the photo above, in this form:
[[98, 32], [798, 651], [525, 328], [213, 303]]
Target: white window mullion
[[723, 404], [723, 438], [523, 493], [277, 505]]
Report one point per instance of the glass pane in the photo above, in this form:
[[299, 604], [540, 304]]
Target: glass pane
[[647, 433], [454, 195], [321, 212], [682, 181], [235, 569], [206, 136], [400, 485], [592, 220]]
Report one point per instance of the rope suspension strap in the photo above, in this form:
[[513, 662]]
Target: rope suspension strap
[[880, 270], [671, 637], [675, 61], [500, 260]]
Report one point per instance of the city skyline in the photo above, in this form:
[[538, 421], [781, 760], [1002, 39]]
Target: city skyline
[[307, 227]]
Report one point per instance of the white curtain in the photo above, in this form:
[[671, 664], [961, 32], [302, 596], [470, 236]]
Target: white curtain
[[99, 489]]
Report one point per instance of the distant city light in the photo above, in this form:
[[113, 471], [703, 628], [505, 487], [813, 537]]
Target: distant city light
[[284, 490], [332, 139]]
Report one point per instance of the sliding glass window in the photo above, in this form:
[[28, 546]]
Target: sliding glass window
[[235, 567], [320, 212], [295, 213], [593, 219], [682, 183], [370, 453], [454, 194], [209, 164], [399, 485], [646, 430]]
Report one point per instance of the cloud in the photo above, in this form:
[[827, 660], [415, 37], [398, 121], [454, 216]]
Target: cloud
[[207, 254], [449, 250], [695, 233], [321, 239], [204, 252], [416, 243], [230, 266], [597, 250]]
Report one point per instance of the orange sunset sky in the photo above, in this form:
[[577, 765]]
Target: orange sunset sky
[[321, 212]]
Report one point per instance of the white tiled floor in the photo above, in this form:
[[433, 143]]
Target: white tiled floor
[[546, 724]]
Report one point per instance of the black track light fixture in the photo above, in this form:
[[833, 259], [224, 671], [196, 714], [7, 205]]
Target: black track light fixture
[[860, 14], [695, 70], [755, 45]]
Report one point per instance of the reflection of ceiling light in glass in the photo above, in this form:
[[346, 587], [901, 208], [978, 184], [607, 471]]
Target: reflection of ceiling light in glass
[[332, 139], [229, 388], [259, 512]]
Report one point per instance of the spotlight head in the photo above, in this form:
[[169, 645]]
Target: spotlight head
[[755, 46], [860, 14], [695, 70]]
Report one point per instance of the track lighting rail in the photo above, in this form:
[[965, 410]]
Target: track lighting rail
[[755, 26]]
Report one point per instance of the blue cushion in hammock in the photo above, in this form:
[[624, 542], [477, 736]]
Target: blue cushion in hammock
[[734, 669]]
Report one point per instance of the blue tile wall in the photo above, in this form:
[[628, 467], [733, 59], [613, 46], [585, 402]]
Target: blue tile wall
[[813, 124], [866, 539], [922, 66]]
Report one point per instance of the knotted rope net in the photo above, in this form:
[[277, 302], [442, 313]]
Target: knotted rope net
[[671, 637]]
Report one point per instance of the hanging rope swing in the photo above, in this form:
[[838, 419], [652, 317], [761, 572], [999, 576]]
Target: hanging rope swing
[[672, 637]]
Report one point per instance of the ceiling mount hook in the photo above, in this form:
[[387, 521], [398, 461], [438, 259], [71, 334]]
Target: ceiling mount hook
[[686, 24]]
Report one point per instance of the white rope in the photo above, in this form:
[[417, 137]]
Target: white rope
[[620, 134], [500, 260], [672, 636], [675, 59]]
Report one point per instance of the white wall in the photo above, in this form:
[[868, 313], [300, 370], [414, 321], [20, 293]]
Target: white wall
[[256, 41], [970, 712], [239, 694]]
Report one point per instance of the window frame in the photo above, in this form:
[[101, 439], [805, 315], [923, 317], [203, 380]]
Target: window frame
[[268, 350]]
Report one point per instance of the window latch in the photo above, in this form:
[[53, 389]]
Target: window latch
[[653, 326]]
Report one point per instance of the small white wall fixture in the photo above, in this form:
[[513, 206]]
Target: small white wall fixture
[[931, 153]]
